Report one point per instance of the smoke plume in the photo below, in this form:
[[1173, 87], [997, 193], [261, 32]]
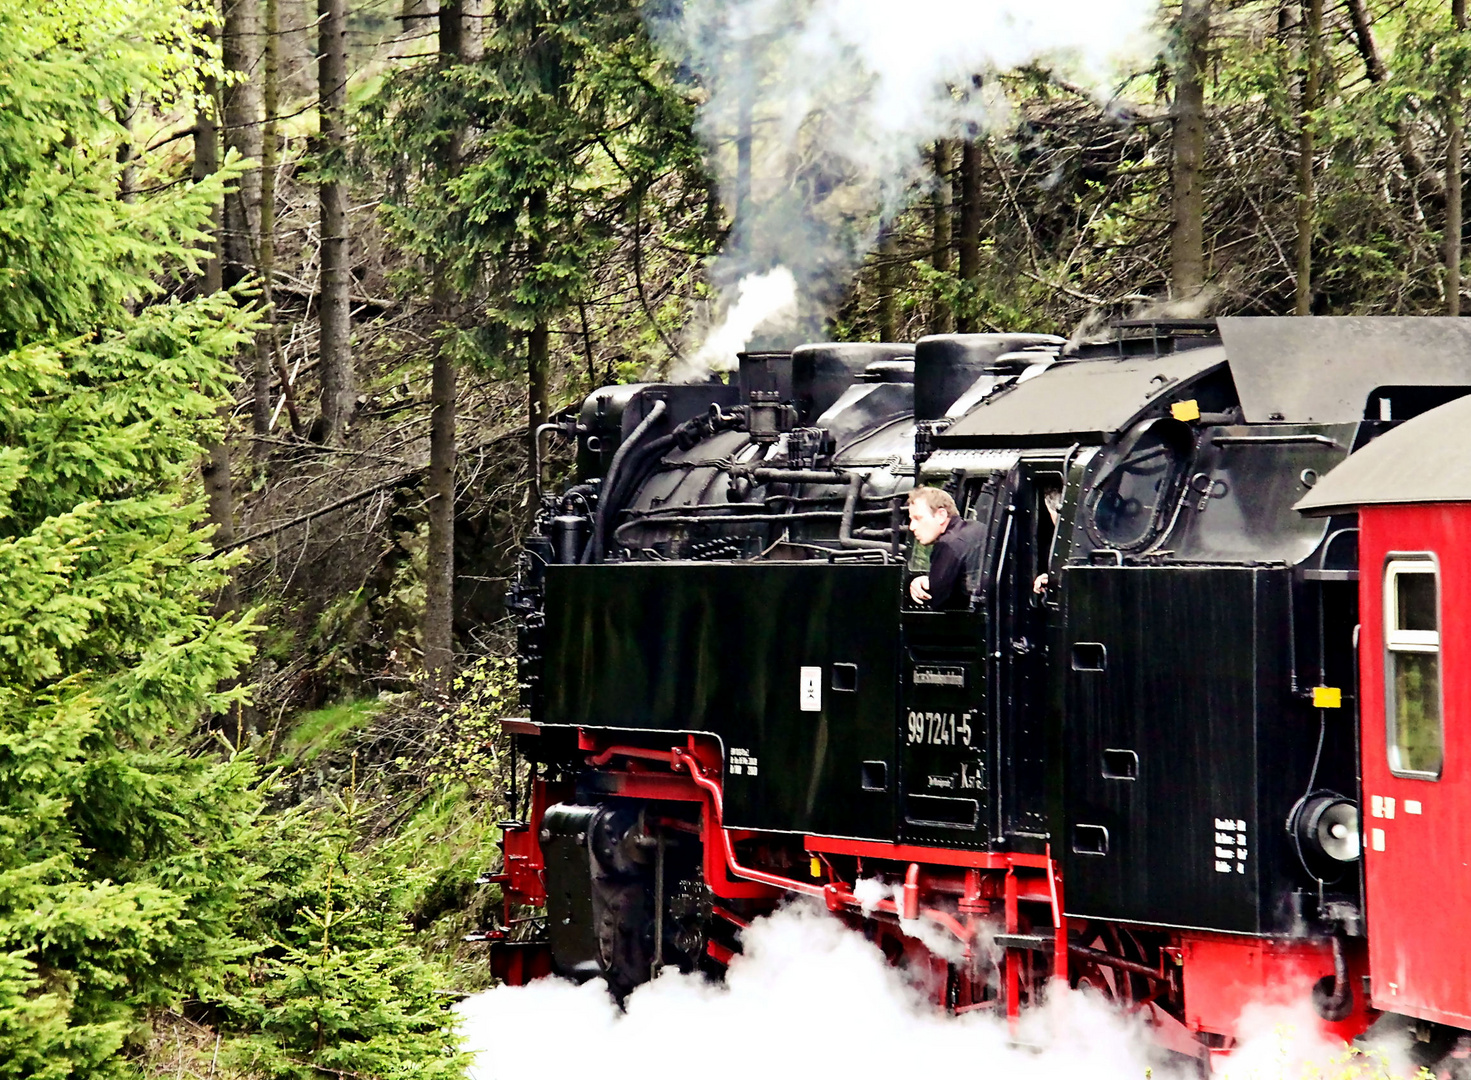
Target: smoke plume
[[763, 302], [818, 111]]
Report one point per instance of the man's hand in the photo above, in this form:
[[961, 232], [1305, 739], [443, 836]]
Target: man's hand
[[1040, 585], [919, 589]]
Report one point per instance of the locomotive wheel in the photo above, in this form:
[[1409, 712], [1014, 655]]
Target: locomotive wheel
[[1121, 987]]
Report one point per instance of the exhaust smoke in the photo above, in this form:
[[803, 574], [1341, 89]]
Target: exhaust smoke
[[818, 111], [808, 997]]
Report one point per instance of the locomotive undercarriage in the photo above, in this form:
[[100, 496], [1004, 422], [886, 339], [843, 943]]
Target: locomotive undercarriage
[[623, 847], [636, 874]]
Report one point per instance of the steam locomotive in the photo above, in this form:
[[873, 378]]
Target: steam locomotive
[[1144, 777]]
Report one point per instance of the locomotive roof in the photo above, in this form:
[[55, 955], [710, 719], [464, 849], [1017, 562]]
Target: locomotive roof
[[1322, 369], [1424, 460], [1085, 400], [1319, 370]]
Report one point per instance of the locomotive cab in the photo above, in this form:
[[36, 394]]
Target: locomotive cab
[[974, 680]]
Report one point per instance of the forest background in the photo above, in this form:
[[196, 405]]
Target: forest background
[[286, 292]]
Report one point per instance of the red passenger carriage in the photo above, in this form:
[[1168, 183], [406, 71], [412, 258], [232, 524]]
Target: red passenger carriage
[[1411, 489]]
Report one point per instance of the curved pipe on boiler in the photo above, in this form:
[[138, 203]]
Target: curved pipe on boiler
[[610, 483], [835, 896], [850, 506]]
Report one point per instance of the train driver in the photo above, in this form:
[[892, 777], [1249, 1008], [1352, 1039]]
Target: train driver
[[955, 545]]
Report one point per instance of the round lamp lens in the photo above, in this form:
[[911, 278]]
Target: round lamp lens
[[1337, 830]]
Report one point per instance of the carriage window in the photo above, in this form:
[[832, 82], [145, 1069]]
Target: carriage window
[[1412, 704]]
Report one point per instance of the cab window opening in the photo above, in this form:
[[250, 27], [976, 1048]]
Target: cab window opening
[[1415, 740], [1128, 498], [1047, 489]]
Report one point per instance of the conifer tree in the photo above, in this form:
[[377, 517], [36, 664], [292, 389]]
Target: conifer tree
[[117, 871]]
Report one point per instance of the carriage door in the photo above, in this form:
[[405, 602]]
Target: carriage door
[[1415, 788], [1019, 647]]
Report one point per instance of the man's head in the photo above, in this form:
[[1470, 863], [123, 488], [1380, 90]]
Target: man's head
[[930, 511], [1052, 500]]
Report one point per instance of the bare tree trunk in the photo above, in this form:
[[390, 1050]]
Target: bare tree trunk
[[127, 174], [415, 14], [472, 31], [942, 321], [207, 163], [1428, 187], [437, 632], [1455, 136], [127, 177], [268, 342], [888, 313], [1187, 236], [969, 243], [1312, 82], [221, 502], [215, 470], [339, 389], [537, 370], [240, 50], [242, 106]]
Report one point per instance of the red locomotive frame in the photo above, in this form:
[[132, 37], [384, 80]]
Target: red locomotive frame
[[1004, 910]]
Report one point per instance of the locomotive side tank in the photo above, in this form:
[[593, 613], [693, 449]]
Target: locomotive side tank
[[1111, 766]]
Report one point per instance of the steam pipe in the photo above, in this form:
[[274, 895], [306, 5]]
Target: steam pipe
[[711, 788], [1098, 956], [798, 476], [835, 896], [630, 752], [1338, 1004], [633, 469], [541, 429], [769, 502], [850, 506], [742, 519], [610, 483], [911, 892]]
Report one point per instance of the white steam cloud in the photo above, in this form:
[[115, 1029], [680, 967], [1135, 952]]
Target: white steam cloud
[[810, 997], [818, 112], [763, 302]]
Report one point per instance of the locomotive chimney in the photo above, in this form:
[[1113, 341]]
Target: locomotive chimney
[[765, 373]]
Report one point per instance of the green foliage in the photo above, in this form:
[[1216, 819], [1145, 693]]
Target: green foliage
[[119, 844], [70, 251], [339, 987], [465, 746], [576, 141]]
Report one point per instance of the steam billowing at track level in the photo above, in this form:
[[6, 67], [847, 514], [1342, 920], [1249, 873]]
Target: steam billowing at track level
[[817, 114], [810, 997]]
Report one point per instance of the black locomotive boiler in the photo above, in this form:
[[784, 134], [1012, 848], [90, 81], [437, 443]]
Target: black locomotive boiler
[[1137, 777]]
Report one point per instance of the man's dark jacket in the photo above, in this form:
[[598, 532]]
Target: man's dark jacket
[[956, 551]]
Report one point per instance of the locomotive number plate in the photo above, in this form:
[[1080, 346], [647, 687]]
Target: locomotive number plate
[[939, 728], [940, 676]]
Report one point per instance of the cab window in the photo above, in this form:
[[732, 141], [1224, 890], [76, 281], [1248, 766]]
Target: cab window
[[1412, 699], [1132, 494]]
